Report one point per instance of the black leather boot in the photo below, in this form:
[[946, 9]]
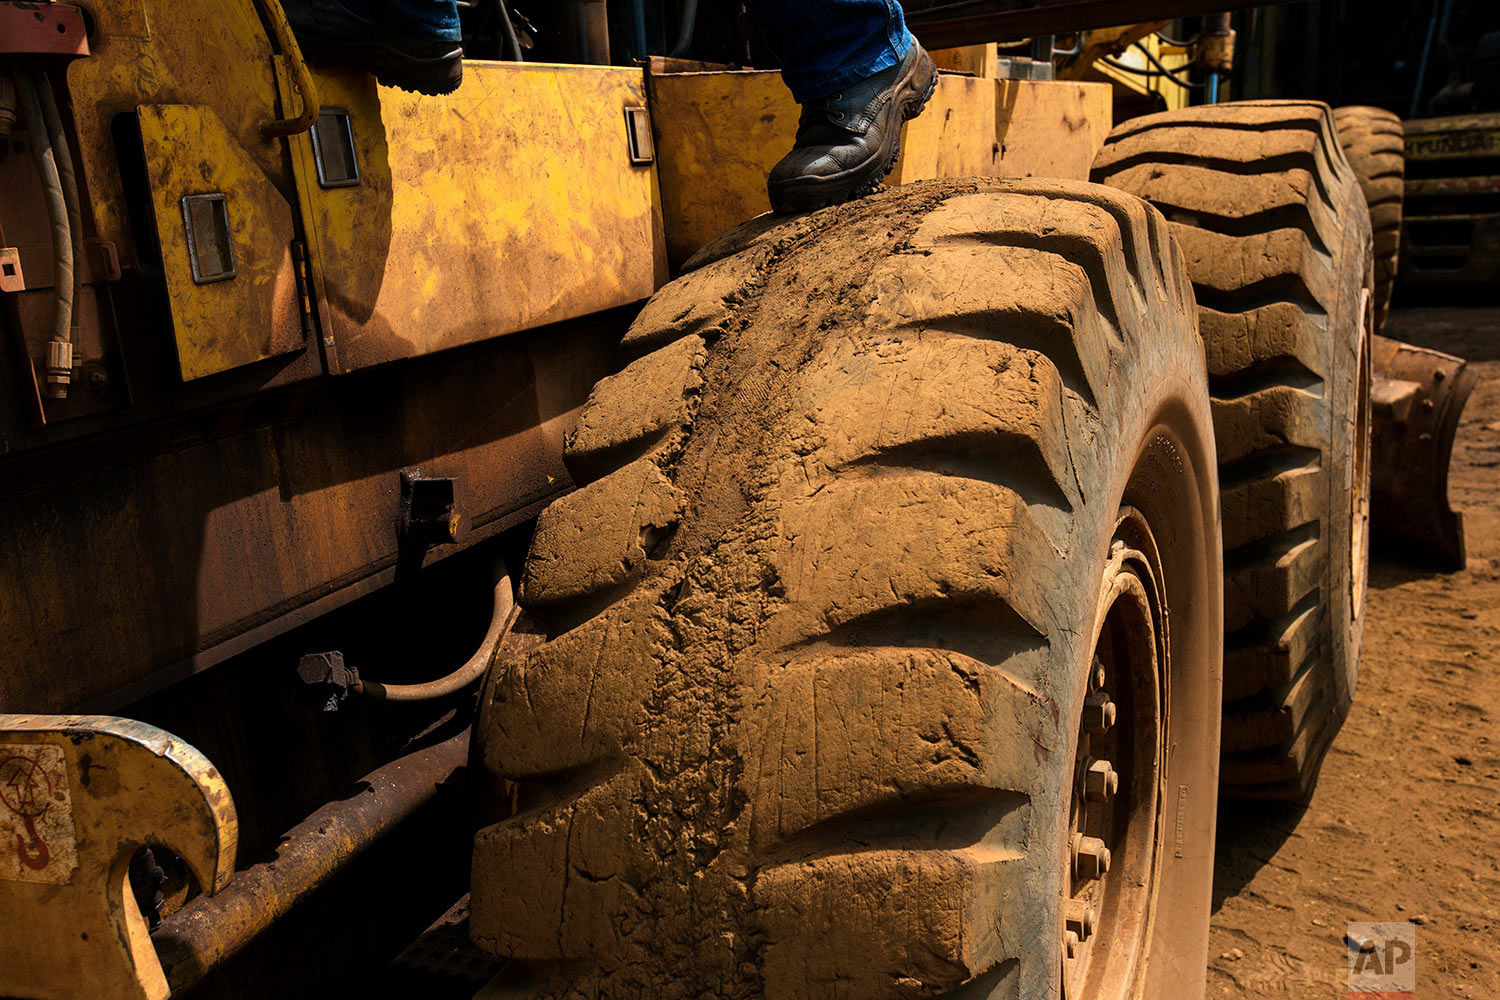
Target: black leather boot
[[847, 142]]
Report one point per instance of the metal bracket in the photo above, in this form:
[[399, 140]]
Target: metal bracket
[[79, 797], [12, 278], [52, 29]]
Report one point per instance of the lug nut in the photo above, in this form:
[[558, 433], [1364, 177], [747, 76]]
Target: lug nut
[[1090, 857], [1101, 782], [1078, 918], [1098, 713], [1070, 944]]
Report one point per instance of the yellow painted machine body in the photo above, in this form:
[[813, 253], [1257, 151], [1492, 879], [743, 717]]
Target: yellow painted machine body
[[216, 472], [271, 324]]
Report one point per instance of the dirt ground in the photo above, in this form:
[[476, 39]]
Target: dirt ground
[[1405, 821]]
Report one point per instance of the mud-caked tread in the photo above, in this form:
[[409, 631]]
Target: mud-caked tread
[[1272, 223], [1375, 142], [806, 727]]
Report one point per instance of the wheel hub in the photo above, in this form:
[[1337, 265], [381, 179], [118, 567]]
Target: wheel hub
[[1114, 821]]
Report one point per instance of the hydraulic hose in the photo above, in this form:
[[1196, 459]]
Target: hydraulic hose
[[501, 619], [510, 32], [65, 173], [45, 153]]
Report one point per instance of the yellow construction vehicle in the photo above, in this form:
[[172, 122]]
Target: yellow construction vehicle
[[464, 544]]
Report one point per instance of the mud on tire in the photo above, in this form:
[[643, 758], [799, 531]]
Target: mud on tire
[[852, 536], [1267, 210]]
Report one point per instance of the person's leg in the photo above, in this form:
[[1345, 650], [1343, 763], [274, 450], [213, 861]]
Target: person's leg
[[827, 44], [412, 44], [858, 75]]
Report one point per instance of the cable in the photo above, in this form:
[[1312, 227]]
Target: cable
[[53, 119], [510, 32], [1189, 43], [502, 618], [45, 154], [1160, 69]]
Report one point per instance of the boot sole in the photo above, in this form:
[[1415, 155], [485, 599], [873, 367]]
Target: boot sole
[[432, 75], [809, 194]]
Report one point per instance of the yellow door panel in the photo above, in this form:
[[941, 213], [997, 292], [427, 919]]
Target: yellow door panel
[[226, 237], [509, 204], [207, 53]]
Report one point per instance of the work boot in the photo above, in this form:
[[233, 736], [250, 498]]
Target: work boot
[[847, 142], [411, 46]]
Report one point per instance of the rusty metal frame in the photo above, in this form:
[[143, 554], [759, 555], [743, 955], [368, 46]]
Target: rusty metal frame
[[44, 29], [941, 25]]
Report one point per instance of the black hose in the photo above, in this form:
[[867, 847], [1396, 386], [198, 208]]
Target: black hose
[[1160, 70], [510, 32]]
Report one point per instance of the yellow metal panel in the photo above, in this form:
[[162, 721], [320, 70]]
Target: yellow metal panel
[[717, 137], [954, 137], [970, 60], [1051, 128], [719, 133], [509, 204], [255, 314], [209, 53], [79, 796]]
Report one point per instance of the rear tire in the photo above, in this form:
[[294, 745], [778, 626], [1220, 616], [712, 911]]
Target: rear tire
[[1375, 143], [1277, 240], [883, 486]]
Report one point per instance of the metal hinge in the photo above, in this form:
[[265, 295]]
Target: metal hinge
[[304, 288]]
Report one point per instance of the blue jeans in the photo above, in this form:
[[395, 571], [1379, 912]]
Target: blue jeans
[[826, 45], [424, 19]]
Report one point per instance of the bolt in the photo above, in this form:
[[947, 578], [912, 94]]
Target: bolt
[[1070, 944], [1078, 918], [98, 378], [1439, 375], [1096, 677], [1101, 781], [1098, 713], [1090, 857]]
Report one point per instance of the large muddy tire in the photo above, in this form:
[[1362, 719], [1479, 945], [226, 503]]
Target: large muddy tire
[[892, 495], [1375, 143], [1267, 210]]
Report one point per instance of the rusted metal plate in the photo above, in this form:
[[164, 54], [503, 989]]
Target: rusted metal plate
[[1416, 401], [226, 237], [137, 576], [79, 795], [50, 29], [1452, 137], [509, 204]]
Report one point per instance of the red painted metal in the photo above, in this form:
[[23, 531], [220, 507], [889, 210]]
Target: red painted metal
[[42, 29]]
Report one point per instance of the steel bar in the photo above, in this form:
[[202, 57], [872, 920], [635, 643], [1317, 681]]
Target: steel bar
[[208, 930]]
